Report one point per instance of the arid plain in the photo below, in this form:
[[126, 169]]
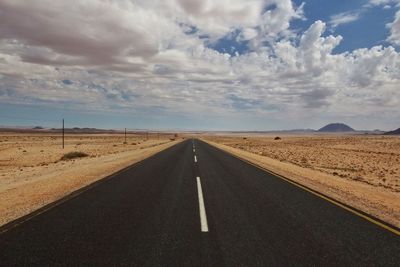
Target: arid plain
[[360, 170], [33, 173]]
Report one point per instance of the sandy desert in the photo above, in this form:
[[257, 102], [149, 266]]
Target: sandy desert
[[360, 170], [33, 173]]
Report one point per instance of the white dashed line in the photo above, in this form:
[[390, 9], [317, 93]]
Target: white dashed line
[[195, 158], [202, 209]]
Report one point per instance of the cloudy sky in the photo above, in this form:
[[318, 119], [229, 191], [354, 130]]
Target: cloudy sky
[[200, 64]]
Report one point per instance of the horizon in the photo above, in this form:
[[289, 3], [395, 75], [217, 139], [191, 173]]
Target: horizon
[[200, 66], [43, 127]]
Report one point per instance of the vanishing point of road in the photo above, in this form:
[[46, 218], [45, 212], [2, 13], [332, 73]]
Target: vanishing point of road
[[195, 205]]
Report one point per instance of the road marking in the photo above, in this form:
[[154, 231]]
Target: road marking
[[195, 158], [194, 150], [202, 209], [320, 195]]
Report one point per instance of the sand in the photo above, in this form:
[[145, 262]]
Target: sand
[[32, 174], [362, 171]]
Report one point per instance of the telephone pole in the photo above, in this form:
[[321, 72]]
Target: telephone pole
[[125, 136], [63, 133]]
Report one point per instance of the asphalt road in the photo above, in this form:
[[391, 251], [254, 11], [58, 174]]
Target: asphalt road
[[158, 213]]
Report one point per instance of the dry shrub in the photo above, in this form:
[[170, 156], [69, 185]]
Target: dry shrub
[[73, 155]]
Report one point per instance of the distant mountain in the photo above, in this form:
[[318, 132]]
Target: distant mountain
[[336, 127], [393, 132], [36, 129]]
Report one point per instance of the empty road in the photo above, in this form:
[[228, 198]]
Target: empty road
[[194, 205]]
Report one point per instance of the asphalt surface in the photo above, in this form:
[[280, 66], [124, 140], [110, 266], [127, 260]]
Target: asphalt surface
[[149, 215]]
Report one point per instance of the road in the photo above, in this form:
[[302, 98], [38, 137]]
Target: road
[[194, 205]]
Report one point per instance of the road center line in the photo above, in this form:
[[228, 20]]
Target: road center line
[[194, 150], [195, 158], [202, 209]]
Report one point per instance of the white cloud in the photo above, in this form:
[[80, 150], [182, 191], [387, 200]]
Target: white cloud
[[343, 18], [395, 30], [248, 34], [91, 32], [382, 2], [135, 56]]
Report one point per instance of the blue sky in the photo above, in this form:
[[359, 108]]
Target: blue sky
[[197, 65], [367, 31]]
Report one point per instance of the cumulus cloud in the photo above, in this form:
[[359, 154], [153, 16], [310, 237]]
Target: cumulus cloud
[[395, 30], [138, 56], [90, 32]]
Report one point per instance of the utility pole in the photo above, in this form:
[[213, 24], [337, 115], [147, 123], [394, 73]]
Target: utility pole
[[63, 133], [125, 136]]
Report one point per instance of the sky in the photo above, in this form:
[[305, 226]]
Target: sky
[[200, 64]]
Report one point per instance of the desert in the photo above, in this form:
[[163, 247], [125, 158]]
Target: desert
[[360, 170], [35, 170]]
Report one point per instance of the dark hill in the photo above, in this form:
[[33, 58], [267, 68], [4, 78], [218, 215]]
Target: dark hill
[[336, 127], [393, 132]]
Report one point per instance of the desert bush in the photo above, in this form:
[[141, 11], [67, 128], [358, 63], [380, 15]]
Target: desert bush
[[277, 138], [73, 155]]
